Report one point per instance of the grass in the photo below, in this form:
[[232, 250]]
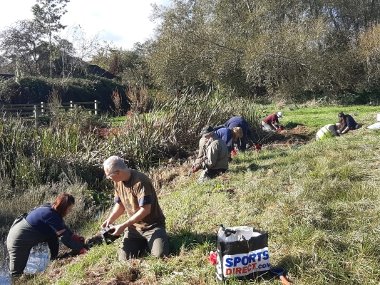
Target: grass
[[319, 202]]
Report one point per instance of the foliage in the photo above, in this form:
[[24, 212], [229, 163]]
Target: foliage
[[38, 89], [47, 14], [283, 50], [129, 65]]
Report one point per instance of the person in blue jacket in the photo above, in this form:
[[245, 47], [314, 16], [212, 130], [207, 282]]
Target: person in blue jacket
[[42, 224], [230, 136], [238, 121]]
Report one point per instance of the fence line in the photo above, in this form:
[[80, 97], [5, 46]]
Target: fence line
[[43, 109]]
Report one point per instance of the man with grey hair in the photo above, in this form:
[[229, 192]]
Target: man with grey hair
[[135, 195]]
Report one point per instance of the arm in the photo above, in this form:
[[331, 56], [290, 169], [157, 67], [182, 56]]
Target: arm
[[275, 123], [117, 210], [345, 130], [135, 218]]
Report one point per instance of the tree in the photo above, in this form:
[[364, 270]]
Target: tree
[[129, 66], [21, 46], [47, 14], [273, 47]]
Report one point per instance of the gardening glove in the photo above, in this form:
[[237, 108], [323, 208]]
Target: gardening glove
[[83, 251], [258, 146], [196, 167], [77, 238]]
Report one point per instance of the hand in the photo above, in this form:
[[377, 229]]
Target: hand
[[258, 146], [77, 238], [117, 230], [196, 167], [105, 224], [83, 251]]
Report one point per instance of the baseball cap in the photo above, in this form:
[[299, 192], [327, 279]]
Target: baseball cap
[[206, 131]]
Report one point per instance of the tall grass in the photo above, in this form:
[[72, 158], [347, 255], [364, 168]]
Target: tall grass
[[172, 129]]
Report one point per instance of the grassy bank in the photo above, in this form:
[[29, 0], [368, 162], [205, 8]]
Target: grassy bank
[[318, 201]]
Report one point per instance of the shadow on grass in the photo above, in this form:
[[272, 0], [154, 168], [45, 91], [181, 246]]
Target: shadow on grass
[[188, 240], [291, 125], [254, 167]]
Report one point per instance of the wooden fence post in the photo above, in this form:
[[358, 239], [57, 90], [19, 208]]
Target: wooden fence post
[[35, 114], [96, 107]]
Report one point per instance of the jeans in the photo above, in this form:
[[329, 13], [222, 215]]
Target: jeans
[[136, 243]]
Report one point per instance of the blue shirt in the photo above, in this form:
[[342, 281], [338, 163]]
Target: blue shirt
[[225, 134], [238, 121], [46, 220]]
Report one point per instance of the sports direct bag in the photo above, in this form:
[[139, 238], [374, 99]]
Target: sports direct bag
[[241, 252]]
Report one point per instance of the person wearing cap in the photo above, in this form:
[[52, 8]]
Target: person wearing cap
[[215, 155], [346, 123], [42, 224], [144, 229], [327, 131], [271, 123], [239, 121]]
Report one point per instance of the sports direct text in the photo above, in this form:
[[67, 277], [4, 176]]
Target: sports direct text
[[246, 263]]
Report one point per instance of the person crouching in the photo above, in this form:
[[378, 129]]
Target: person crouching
[[215, 157]]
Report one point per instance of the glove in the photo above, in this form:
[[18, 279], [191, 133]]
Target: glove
[[83, 251], [195, 168], [77, 238], [258, 146]]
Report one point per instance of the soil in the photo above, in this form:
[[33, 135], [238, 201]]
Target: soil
[[298, 135]]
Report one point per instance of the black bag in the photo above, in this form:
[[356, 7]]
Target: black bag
[[241, 252]]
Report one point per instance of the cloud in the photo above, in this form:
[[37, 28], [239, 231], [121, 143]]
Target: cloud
[[124, 22]]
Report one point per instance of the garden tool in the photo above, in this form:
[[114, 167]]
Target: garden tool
[[280, 272]]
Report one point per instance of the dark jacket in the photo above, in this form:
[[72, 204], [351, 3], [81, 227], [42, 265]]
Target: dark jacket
[[238, 121]]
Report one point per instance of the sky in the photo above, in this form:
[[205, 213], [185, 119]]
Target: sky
[[118, 22]]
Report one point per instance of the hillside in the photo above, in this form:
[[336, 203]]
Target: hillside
[[319, 202]]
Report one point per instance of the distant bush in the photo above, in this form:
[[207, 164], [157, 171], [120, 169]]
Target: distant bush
[[37, 89]]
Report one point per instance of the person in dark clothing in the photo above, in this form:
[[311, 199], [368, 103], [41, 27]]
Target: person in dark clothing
[[230, 136], [346, 123], [238, 121], [42, 224]]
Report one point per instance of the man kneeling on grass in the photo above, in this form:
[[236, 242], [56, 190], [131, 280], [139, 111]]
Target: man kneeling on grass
[[134, 194], [215, 157]]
